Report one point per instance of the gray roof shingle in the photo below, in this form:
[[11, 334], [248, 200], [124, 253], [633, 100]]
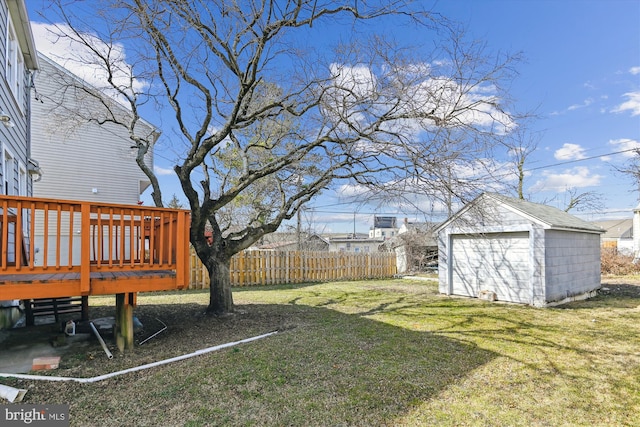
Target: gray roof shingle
[[549, 215]]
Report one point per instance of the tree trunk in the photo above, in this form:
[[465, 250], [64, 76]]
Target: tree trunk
[[220, 298]]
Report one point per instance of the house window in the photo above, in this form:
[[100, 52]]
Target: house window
[[1, 171], [22, 180], [15, 63], [10, 181]]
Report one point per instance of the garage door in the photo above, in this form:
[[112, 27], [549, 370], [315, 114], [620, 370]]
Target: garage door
[[493, 262]]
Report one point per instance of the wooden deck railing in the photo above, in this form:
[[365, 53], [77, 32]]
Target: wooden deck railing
[[89, 248]]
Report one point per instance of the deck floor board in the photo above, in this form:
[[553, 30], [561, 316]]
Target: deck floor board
[[94, 275]]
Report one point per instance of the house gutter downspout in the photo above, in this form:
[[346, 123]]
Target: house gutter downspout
[[138, 368]]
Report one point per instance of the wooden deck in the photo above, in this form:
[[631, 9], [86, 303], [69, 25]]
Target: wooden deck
[[58, 285], [52, 248]]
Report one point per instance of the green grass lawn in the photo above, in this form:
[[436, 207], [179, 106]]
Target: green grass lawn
[[388, 352]]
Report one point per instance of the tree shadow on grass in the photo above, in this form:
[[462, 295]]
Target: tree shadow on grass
[[324, 367]]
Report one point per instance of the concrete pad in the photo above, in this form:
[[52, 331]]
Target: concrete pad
[[20, 346]]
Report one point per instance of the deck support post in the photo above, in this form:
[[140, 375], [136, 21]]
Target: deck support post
[[124, 320]]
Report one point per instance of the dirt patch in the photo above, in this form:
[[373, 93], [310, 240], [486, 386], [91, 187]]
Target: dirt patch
[[188, 329], [620, 287]]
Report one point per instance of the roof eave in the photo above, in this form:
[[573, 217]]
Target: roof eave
[[20, 18]]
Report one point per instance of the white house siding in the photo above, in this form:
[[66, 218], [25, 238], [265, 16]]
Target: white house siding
[[402, 264], [572, 264], [80, 161], [625, 247], [85, 161], [14, 141], [357, 246]]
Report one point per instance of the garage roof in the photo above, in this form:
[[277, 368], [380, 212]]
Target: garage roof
[[546, 215]]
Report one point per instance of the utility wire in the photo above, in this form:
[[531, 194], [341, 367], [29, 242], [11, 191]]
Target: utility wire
[[582, 159]]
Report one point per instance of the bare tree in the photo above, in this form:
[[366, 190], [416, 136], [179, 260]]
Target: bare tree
[[521, 143], [267, 122], [631, 169], [582, 202]]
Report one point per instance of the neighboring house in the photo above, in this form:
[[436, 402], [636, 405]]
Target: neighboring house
[[83, 160], [415, 246], [277, 246], [354, 243], [17, 164], [618, 235], [384, 227], [506, 249], [316, 242], [292, 242]]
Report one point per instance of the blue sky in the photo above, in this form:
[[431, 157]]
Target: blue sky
[[581, 75]]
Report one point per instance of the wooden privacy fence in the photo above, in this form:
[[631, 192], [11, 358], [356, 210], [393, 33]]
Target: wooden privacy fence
[[261, 267]]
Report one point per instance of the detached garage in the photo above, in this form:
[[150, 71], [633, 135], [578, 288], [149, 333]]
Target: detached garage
[[506, 249]]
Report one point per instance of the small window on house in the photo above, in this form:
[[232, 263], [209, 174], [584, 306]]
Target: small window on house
[[15, 63], [22, 180], [10, 169], [1, 172], [15, 183], [7, 163]]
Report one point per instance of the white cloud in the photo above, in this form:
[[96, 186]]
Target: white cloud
[[358, 94], [79, 60], [631, 104], [163, 171], [359, 81], [625, 144], [577, 177], [351, 190], [569, 152], [584, 104], [634, 70]]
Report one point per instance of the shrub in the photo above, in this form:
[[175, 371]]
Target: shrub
[[613, 262]]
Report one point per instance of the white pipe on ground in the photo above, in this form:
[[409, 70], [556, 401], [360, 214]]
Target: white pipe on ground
[[138, 368], [161, 330], [12, 394], [104, 346]]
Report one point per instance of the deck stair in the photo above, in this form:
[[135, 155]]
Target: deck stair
[[56, 307], [50, 249]]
